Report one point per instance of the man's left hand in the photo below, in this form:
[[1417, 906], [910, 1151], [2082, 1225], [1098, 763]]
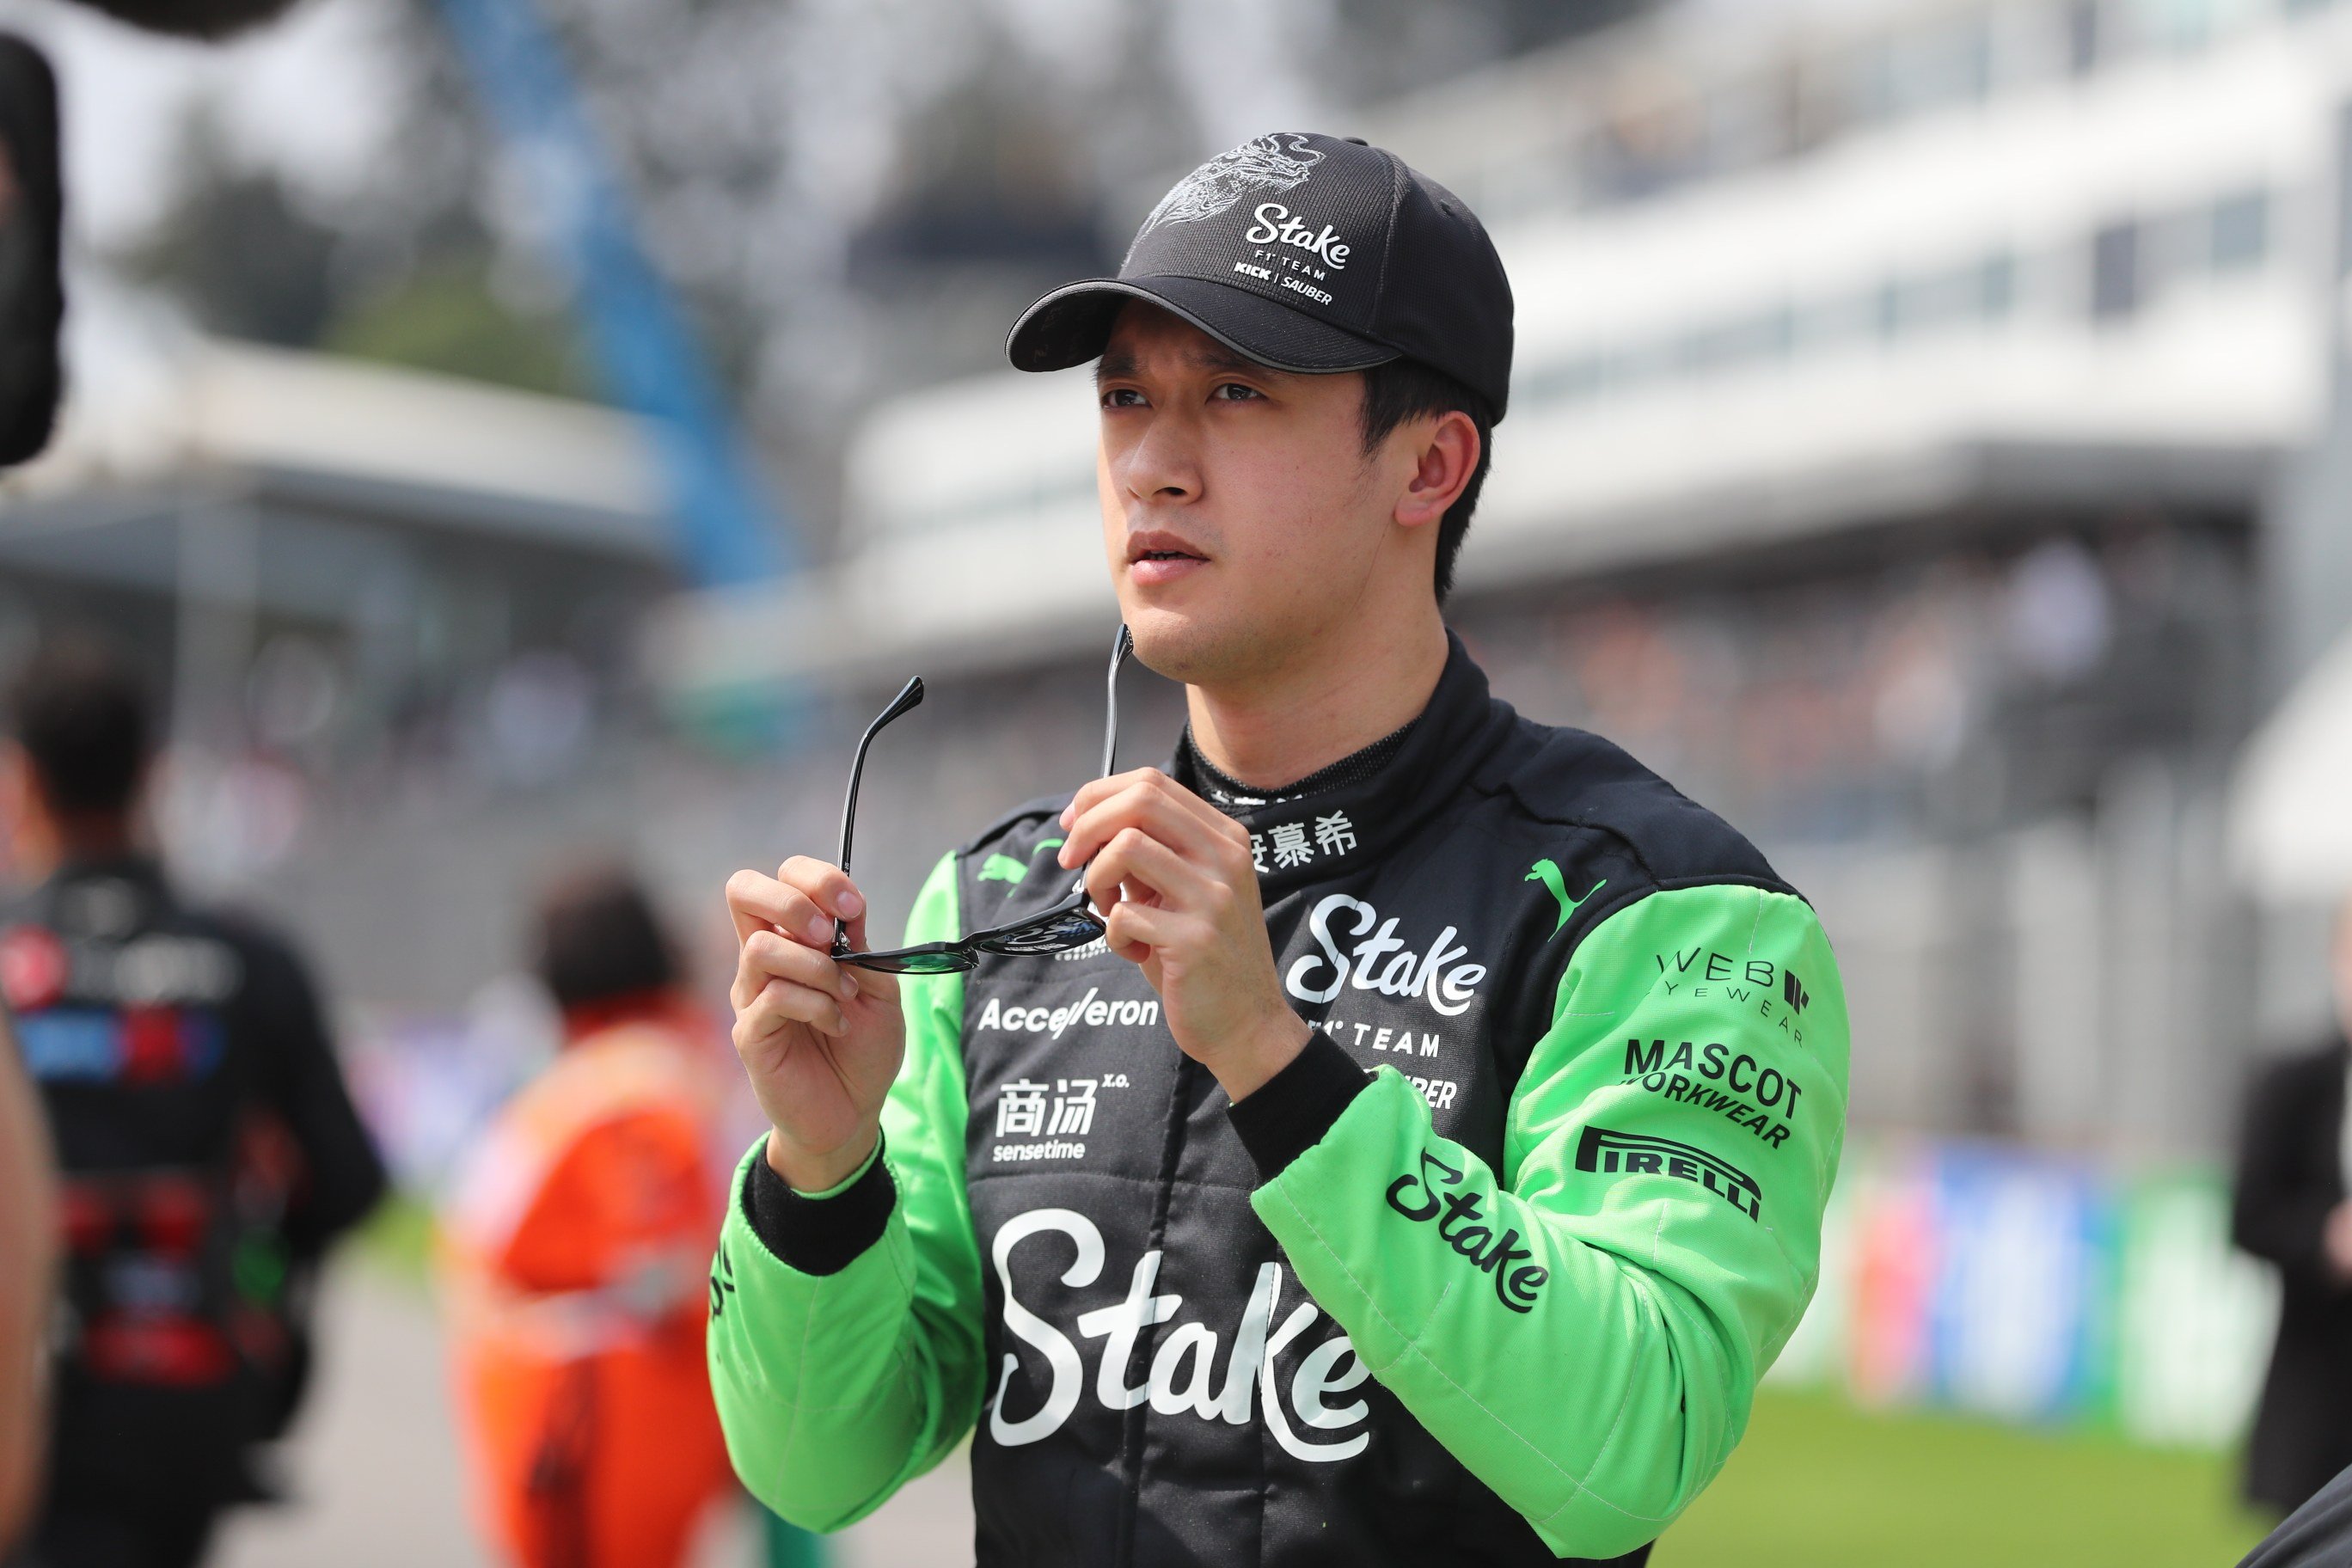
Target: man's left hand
[[1177, 881]]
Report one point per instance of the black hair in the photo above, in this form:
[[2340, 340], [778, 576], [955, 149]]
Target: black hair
[[599, 939], [82, 717], [1405, 389]]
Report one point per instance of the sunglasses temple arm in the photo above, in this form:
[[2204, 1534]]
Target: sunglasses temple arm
[[1120, 648], [1124, 646], [908, 696]]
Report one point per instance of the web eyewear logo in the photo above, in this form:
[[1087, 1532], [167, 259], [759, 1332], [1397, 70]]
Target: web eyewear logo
[[1604, 1153], [1261, 165], [1792, 991]]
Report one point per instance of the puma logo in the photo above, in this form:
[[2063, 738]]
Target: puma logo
[[1548, 874]]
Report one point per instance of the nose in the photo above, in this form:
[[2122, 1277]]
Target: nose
[[1160, 467]]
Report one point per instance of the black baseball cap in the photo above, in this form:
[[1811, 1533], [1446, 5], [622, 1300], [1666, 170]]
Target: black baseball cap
[[1304, 252]]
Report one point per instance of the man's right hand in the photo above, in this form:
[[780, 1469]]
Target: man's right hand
[[821, 1040], [2335, 1242]]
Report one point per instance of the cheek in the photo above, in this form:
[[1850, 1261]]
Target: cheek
[[1278, 508], [1114, 517], [1305, 525]]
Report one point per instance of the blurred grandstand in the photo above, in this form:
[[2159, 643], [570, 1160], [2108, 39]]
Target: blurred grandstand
[[1909, 401]]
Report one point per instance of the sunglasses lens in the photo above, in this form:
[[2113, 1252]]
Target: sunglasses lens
[[933, 963], [946, 962], [1055, 933]]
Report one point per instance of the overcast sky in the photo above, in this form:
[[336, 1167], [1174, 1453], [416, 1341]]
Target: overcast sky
[[312, 96]]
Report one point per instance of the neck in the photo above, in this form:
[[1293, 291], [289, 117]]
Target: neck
[[1326, 702], [659, 1006], [77, 838]]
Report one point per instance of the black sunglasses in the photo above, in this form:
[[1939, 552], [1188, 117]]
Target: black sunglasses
[[1069, 924]]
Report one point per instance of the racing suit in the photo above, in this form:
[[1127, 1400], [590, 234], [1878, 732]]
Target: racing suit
[[1486, 1275], [210, 1153]]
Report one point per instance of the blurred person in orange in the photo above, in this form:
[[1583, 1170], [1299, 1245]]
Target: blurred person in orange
[[575, 1248], [2290, 1208], [208, 1150]]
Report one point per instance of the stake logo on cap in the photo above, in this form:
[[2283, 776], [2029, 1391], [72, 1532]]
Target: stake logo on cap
[[1304, 252]]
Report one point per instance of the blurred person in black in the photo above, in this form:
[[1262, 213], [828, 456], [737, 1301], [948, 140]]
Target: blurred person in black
[[2290, 1208], [28, 1243], [2317, 1535], [208, 1150]]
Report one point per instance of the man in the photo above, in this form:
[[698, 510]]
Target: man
[[575, 1248], [1453, 1167], [2317, 1535], [2290, 1209], [29, 1239], [207, 1147]]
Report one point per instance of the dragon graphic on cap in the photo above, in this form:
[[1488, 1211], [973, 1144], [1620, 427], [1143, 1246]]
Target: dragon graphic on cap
[[1261, 163]]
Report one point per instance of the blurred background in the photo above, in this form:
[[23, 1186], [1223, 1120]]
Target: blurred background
[[506, 426]]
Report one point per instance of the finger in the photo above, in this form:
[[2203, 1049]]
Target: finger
[[1136, 930], [1095, 789], [758, 904], [827, 885], [767, 956], [869, 985], [1152, 804], [1134, 857], [780, 1004]]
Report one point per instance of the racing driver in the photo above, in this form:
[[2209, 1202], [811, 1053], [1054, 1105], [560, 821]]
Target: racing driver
[[1430, 1156]]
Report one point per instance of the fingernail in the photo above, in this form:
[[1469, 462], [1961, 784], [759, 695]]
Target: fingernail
[[848, 986], [819, 928], [852, 905]]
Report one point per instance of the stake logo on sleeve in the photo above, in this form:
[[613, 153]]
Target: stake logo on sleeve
[[1470, 1231]]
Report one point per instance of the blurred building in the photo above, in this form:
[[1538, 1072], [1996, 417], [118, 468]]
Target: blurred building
[[381, 601], [1918, 451]]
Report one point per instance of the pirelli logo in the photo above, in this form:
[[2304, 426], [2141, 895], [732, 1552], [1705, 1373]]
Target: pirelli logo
[[1610, 1153]]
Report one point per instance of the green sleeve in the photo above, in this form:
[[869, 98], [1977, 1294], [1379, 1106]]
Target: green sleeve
[[835, 1390], [1584, 1328]]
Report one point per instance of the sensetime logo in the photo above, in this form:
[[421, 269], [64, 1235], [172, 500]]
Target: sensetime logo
[[1464, 1226], [1185, 1373], [1380, 962]]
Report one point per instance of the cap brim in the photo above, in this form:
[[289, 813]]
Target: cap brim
[[1071, 325]]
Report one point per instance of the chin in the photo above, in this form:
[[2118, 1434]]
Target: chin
[[1185, 644]]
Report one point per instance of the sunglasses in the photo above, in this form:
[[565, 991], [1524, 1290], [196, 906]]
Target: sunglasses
[[1068, 923]]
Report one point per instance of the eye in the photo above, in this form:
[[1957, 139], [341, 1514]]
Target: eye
[[1123, 397], [1236, 392]]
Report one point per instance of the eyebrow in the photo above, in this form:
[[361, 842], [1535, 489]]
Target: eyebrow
[[1120, 363]]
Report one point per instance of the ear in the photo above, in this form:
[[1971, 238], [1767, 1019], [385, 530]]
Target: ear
[[1447, 456]]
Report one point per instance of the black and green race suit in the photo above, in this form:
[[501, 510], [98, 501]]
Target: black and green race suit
[[1488, 1275]]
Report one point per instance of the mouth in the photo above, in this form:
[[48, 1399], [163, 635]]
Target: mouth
[[1161, 551]]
